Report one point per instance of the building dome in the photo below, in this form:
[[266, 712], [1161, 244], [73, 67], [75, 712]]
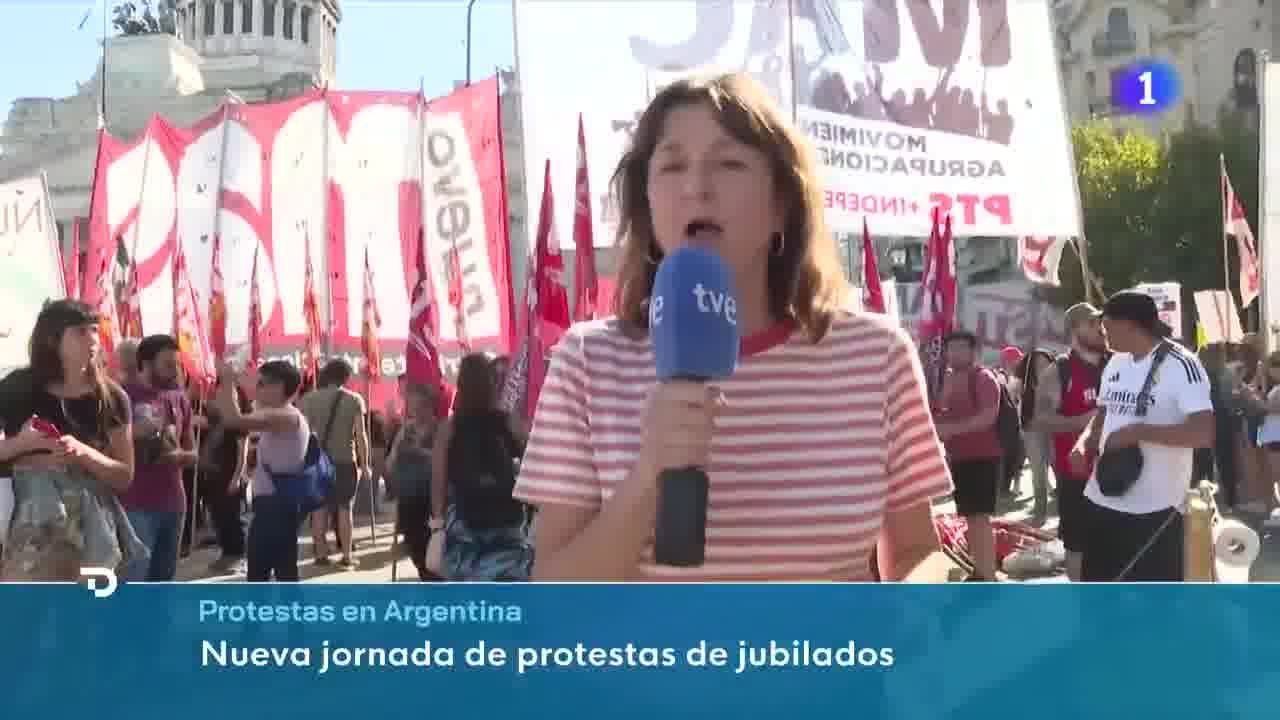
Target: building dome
[[275, 37]]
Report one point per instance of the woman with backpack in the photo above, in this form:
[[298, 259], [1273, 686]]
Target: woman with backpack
[[473, 476], [283, 436]]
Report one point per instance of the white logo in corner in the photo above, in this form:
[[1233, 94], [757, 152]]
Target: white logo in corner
[[108, 584]]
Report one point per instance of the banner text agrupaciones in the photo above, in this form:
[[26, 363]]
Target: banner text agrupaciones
[[327, 656]]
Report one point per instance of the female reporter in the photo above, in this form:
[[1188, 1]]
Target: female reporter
[[820, 449]]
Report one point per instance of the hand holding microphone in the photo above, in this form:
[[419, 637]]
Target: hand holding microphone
[[678, 422], [693, 321]]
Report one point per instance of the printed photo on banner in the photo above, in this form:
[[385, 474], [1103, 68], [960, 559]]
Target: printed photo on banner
[[909, 107], [30, 265], [1168, 297]]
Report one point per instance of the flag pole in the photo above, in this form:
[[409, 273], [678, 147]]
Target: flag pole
[[1224, 181], [368, 433], [370, 374], [325, 232], [1264, 319], [1083, 255], [102, 81], [791, 61]]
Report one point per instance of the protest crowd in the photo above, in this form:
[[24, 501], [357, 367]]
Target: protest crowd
[[829, 447]]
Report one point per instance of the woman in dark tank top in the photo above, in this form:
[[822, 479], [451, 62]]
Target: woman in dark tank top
[[410, 463], [472, 481]]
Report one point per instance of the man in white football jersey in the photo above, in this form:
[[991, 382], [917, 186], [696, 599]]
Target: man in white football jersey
[[1134, 524]]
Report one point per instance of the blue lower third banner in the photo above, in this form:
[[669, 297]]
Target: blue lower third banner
[[954, 652]]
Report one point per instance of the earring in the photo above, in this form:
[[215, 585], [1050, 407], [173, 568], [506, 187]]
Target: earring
[[650, 256], [779, 244]]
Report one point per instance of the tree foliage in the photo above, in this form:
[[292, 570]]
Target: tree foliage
[[1152, 207], [140, 18]]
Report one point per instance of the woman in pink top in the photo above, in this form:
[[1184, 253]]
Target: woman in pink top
[[819, 450]]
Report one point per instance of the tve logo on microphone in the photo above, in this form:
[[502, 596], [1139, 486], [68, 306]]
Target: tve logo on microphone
[[719, 303], [693, 317]]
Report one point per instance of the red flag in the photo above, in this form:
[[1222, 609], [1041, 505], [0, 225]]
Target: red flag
[[193, 346], [547, 305], [455, 300], [515, 391], [370, 325], [586, 290], [133, 303], [422, 361], [255, 316], [552, 306], [217, 303], [1235, 222], [73, 262], [310, 317], [105, 306], [872, 293], [937, 301], [548, 301]]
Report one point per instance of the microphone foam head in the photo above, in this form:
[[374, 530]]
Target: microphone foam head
[[693, 316]]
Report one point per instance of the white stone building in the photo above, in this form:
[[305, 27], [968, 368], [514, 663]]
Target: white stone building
[[1213, 45], [244, 50]]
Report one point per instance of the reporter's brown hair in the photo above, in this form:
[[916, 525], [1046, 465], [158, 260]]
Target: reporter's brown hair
[[806, 281]]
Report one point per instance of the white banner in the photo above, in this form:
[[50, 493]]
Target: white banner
[[1219, 317], [1269, 241], [909, 107], [1168, 297], [30, 265], [889, 288]]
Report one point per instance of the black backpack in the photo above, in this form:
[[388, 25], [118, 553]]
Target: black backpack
[[1063, 363], [1008, 421], [482, 471], [1008, 418]]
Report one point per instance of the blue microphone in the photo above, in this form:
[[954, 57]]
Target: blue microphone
[[693, 321]]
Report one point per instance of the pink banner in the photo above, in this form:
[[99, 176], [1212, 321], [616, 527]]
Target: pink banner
[[340, 170]]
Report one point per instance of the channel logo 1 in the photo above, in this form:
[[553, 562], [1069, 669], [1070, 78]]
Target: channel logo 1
[[1145, 87]]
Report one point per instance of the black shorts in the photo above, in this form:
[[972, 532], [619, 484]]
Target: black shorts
[[1072, 523], [344, 486], [977, 482], [1115, 538]]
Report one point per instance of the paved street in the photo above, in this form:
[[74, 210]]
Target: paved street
[[375, 557]]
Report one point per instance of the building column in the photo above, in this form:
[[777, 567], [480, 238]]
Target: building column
[[320, 38]]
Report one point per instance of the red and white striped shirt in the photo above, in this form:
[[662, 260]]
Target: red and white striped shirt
[[816, 442]]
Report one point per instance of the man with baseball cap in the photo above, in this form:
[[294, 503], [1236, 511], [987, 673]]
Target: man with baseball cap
[[1065, 403], [1155, 397]]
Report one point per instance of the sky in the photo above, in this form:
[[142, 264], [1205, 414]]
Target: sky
[[382, 45]]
